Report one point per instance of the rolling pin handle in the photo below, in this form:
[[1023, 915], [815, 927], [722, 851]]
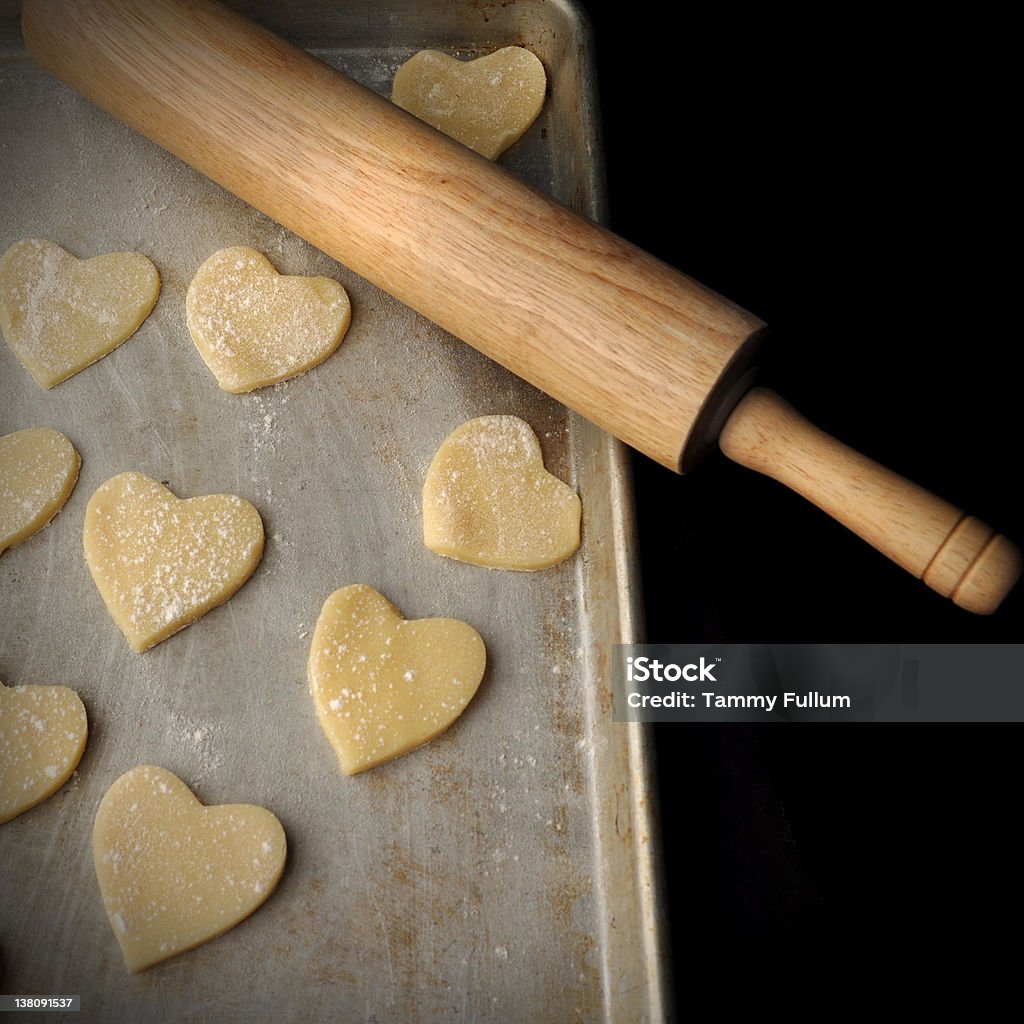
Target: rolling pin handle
[[955, 554]]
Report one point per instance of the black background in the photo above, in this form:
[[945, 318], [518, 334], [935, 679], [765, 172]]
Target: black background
[[848, 172]]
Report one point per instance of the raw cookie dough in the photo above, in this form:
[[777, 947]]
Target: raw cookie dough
[[42, 735], [160, 562], [59, 313], [486, 104], [174, 874], [383, 686], [255, 327], [489, 500], [38, 471]]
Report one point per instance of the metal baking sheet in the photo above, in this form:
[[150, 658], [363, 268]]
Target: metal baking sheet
[[504, 872]]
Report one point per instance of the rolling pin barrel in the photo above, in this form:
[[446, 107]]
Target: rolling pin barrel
[[612, 332], [645, 352]]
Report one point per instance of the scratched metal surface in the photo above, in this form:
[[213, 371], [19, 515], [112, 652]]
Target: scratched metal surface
[[504, 872]]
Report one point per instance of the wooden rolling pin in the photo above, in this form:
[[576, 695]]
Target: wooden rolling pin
[[645, 352]]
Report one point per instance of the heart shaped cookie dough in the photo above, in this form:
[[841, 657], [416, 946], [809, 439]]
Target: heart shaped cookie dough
[[383, 685], [173, 873], [489, 500], [42, 735], [59, 313], [486, 104], [255, 327], [160, 562], [38, 471]]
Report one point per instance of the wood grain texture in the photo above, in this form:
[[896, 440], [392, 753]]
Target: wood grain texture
[[955, 554], [603, 327], [645, 352]]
